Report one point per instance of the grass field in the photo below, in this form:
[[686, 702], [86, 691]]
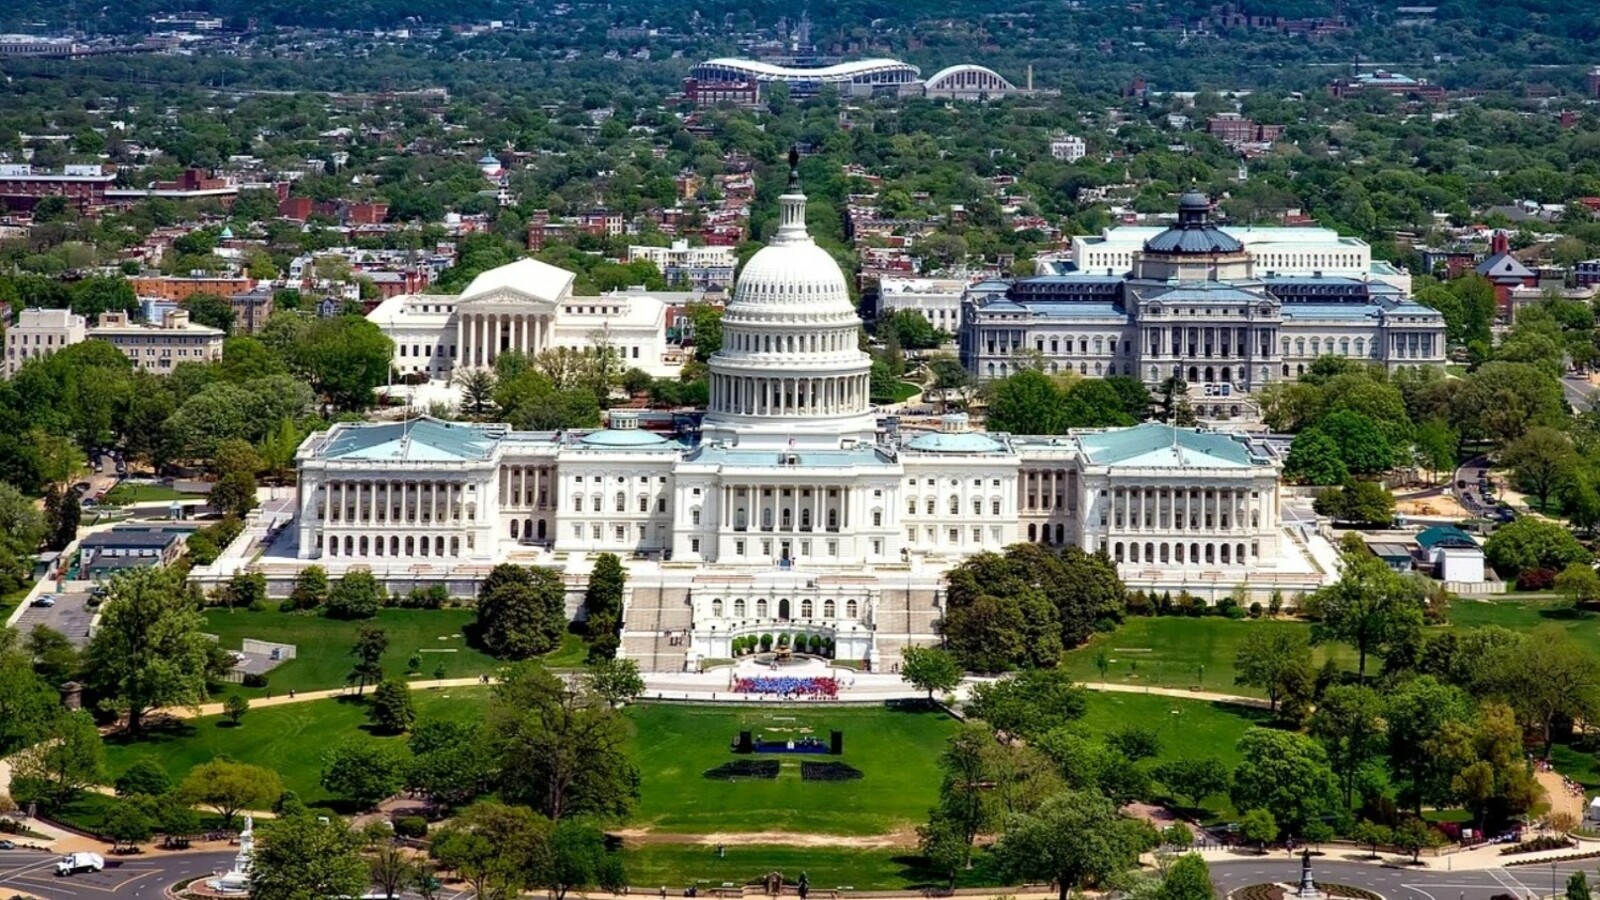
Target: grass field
[[322, 654], [1179, 652], [896, 751], [679, 865], [1527, 614], [290, 740], [125, 493]]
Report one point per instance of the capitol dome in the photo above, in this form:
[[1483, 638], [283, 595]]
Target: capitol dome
[[790, 371]]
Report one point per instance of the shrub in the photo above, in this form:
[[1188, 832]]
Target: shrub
[[1140, 604], [1536, 579], [1255, 609], [411, 827], [766, 642], [815, 644], [255, 680], [783, 639]]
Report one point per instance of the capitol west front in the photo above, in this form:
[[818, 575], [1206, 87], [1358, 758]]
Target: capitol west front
[[789, 511]]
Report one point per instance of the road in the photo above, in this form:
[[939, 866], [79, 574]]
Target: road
[[1471, 496], [125, 877], [1400, 883], [145, 877], [1578, 391], [71, 616]]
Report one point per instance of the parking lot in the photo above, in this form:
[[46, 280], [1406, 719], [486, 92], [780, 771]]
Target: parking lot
[[71, 616]]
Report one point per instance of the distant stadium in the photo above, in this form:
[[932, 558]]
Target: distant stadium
[[861, 78]]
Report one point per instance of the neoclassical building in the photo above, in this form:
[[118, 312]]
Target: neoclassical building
[[527, 307], [1199, 303], [791, 507]]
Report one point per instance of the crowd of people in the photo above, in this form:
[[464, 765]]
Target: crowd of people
[[788, 686]]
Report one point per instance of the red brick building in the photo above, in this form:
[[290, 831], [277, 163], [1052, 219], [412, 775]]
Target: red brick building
[[84, 187]]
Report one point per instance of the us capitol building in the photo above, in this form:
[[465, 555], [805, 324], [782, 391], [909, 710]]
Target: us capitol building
[[790, 509]]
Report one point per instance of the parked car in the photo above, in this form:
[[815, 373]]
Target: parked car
[[45, 601], [7, 845]]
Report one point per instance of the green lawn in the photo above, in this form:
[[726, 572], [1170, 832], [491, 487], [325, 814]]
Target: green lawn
[[679, 865], [322, 645], [290, 740], [895, 750], [1180, 652], [1526, 614], [125, 493]]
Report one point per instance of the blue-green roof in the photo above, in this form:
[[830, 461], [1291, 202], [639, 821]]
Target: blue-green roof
[[424, 440], [1164, 446], [1445, 536], [622, 437], [962, 442]]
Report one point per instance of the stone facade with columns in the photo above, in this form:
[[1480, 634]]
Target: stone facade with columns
[[526, 307], [1197, 303], [790, 507]]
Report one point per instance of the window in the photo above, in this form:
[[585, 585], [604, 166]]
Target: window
[[622, 502], [716, 607], [694, 545], [738, 608], [877, 518], [850, 609], [694, 516]]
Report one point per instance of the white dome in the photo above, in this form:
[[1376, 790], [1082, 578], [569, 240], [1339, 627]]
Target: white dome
[[799, 277], [790, 372]]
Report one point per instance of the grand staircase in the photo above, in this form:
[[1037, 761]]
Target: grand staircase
[[656, 627]]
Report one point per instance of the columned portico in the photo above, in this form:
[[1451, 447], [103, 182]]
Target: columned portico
[[484, 335]]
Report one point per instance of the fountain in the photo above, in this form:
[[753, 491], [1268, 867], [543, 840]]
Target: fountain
[[236, 881], [782, 659]]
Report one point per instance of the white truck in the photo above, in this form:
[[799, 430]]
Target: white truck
[[73, 863]]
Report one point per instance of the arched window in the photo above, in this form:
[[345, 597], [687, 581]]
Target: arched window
[[1119, 552], [829, 609], [805, 608], [761, 608], [783, 609], [716, 607], [622, 502], [1344, 346], [1033, 532], [850, 609], [738, 608], [514, 527], [1133, 553], [1361, 346]]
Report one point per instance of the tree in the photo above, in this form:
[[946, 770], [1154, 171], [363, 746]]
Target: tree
[[521, 611], [362, 771], [561, 750], [1075, 839], [1541, 460], [1029, 703], [1188, 879], [1094, 403], [1194, 778], [1372, 834], [1436, 444], [149, 649], [371, 644], [235, 707], [211, 311], [1549, 678], [930, 669], [69, 513], [1286, 774], [1258, 827], [1315, 459], [301, 857], [229, 787], [617, 681], [146, 777], [1578, 887], [1579, 583], [450, 761], [1357, 502], [1026, 403], [1369, 607], [29, 704], [310, 588], [1426, 720], [602, 597], [389, 867], [1349, 725], [69, 758], [391, 711], [578, 859], [358, 595], [127, 824], [345, 358], [1273, 659], [234, 493], [1532, 543], [499, 850], [945, 848], [1415, 836], [477, 389]]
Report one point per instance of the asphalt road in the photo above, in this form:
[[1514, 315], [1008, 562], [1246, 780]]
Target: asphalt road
[[1579, 392], [71, 616], [145, 877], [142, 877]]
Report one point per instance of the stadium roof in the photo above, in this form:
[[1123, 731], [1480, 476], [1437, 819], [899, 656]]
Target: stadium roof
[[838, 72]]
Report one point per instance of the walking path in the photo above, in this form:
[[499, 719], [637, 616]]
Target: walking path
[[1562, 798]]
